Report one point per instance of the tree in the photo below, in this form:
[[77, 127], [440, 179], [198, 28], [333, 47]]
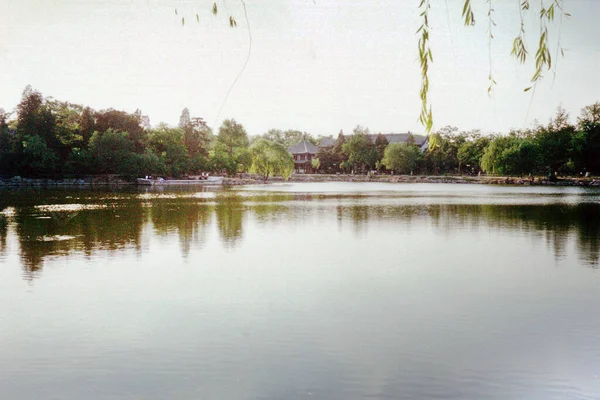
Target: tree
[[401, 157], [287, 138], [510, 155], [232, 135], [554, 142], [113, 153], [123, 122], [168, 145], [381, 143], [34, 118], [471, 150], [37, 157], [316, 163], [328, 160], [6, 144], [87, 125], [270, 159], [442, 157], [197, 135], [360, 150], [588, 124], [220, 161]]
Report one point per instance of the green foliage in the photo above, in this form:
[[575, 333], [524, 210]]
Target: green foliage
[[360, 150], [381, 143], [271, 159], [123, 122], [221, 161], [87, 125], [243, 159], [316, 163], [554, 142], [197, 136], [37, 157], [443, 156], [543, 58], [470, 152], [113, 153], [168, 145], [6, 144], [54, 137], [79, 162], [231, 136], [509, 155], [287, 138], [589, 126], [401, 157]]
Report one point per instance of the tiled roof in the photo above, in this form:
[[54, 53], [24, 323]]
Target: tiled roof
[[402, 138], [391, 138], [303, 147], [327, 142]]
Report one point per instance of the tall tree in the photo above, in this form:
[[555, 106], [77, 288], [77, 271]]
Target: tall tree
[[401, 157], [231, 136], [271, 159], [87, 125], [589, 124], [123, 122], [359, 150]]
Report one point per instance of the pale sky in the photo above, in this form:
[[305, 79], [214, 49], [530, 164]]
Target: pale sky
[[315, 66]]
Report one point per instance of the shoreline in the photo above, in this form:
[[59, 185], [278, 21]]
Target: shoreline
[[247, 179], [457, 179]]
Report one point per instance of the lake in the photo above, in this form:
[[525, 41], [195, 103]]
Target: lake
[[301, 291]]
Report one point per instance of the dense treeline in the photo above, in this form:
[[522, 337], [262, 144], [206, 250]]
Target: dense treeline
[[558, 148], [52, 138], [46, 137]]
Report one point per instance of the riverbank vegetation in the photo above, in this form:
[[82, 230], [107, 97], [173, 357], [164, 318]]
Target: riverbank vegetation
[[44, 137]]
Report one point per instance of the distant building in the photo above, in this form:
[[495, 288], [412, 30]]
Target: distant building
[[303, 154], [327, 142], [420, 140]]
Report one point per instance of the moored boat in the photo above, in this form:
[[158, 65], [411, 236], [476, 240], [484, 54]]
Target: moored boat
[[211, 180]]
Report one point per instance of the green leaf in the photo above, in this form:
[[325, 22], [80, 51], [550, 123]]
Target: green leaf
[[197, 18], [182, 21], [214, 9], [527, 89]]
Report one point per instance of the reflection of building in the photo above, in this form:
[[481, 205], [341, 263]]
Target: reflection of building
[[303, 154]]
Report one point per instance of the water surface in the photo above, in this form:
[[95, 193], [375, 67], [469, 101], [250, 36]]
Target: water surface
[[293, 291]]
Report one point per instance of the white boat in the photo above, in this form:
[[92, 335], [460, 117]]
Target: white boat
[[211, 180]]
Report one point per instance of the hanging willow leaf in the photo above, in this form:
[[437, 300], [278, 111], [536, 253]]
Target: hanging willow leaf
[[182, 21], [425, 57], [214, 9], [197, 18], [468, 14]]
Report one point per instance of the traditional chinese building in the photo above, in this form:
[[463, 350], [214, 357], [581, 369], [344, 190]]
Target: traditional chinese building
[[303, 154]]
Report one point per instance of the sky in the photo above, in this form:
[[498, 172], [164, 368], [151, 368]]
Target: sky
[[317, 66]]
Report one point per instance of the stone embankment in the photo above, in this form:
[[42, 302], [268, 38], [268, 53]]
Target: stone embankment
[[247, 179], [96, 180]]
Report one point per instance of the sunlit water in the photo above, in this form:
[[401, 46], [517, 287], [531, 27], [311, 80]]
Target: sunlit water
[[324, 291]]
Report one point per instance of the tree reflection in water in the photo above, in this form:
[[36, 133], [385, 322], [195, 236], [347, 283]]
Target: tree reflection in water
[[118, 223]]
